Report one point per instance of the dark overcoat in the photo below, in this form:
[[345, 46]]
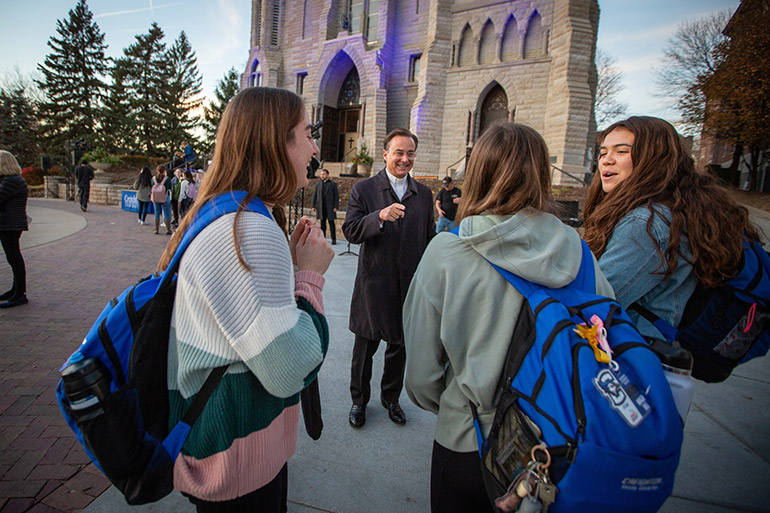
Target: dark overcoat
[[325, 203], [388, 255], [13, 203]]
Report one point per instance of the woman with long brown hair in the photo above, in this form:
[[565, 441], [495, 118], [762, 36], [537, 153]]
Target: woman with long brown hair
[[657, 226], [459, 312], [248, 298]]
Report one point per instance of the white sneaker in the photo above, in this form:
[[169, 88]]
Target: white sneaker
[[140, 221]]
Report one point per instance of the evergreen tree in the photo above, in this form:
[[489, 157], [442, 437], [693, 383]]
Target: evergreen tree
[[118, 126], [183, 94], [19, 126], [145, 78], [227, 87], [72, 78]]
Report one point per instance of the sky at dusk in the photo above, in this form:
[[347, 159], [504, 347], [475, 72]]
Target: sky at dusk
[[633, 31]]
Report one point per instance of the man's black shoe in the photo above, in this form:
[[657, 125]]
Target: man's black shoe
[[18, 301], [357, 417], [395, 412], [8, 295]]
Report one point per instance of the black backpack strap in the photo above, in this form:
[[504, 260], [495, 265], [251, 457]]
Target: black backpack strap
[[195, 409], [665, 329], [175, 440]]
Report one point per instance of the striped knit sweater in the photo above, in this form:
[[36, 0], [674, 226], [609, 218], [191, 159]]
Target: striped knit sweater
[[224, 314]]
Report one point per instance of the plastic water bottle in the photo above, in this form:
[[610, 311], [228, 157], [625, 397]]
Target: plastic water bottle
[[85, 381], [677, 367]]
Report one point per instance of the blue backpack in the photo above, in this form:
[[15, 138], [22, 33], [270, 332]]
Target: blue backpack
[[121, 416], [728, 325], [610, 427]]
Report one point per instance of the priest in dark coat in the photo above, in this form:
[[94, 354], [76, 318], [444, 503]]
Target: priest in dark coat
[[391, 216]]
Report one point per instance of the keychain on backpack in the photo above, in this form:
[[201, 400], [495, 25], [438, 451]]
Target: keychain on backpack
[[596, 336], [623, 395], [530, 491]]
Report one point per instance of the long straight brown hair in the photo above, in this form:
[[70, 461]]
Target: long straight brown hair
[[250, 155], [506, 172], [664, 173]]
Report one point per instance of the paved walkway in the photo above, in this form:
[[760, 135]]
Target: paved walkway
[[76, 262]]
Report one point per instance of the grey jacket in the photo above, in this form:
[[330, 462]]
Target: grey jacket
[[460, 313]]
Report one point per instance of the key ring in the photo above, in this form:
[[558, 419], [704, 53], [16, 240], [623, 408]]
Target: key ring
[[533, 454]]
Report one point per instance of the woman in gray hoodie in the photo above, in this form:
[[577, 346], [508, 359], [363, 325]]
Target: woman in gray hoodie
[[460, 313]]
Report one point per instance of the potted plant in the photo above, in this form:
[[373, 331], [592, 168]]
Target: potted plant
[[99, 159], [362, 160]]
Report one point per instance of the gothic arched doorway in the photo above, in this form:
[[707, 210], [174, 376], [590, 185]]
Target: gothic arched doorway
[[342, 110], [494, 108]]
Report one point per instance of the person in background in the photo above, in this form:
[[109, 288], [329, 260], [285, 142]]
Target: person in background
[[84, 174], [13, 221], [188, 155], [391, 216], [657, 226], [326, 201], [249, 298], [176, 185], [447, 200], [185, 201], [460, 312], [161, 200], [143, 186]]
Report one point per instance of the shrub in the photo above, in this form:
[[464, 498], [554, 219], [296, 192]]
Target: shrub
[[33, 175]]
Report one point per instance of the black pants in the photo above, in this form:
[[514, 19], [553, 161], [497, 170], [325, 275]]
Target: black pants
[[271, 498], [456, 485], [10, 242], [332, 228], [84, 193], [361, 371], [175, 210], [144, 208]]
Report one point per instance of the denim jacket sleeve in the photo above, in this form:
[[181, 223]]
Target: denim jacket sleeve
[[632, 256]]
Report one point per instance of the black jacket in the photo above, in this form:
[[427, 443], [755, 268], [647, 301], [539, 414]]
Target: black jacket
[[13, 203], [328, 201], [388, 256]]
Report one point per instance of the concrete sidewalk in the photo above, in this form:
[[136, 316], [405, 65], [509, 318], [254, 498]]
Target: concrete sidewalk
[[382, 467]]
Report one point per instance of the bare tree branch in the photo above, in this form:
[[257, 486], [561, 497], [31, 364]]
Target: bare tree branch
[[607, 107], [688, 57]]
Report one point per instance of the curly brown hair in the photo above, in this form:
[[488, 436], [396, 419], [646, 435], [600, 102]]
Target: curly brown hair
[[664, 173]]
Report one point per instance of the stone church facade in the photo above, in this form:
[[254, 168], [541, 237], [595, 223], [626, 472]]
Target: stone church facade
[[445, 69]]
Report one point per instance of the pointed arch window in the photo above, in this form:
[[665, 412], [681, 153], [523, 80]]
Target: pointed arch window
[[487, 45], [350, 91], [536, 39], [465, 48], [255, 80], [494, 108], [510, 50]]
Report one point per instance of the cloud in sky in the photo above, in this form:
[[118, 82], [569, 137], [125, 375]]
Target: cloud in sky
[[134, 11]]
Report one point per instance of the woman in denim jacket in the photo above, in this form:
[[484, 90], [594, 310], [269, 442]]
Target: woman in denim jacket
[[656, 225]]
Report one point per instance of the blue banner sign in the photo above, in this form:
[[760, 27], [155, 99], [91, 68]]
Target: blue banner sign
[[129, 202]]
